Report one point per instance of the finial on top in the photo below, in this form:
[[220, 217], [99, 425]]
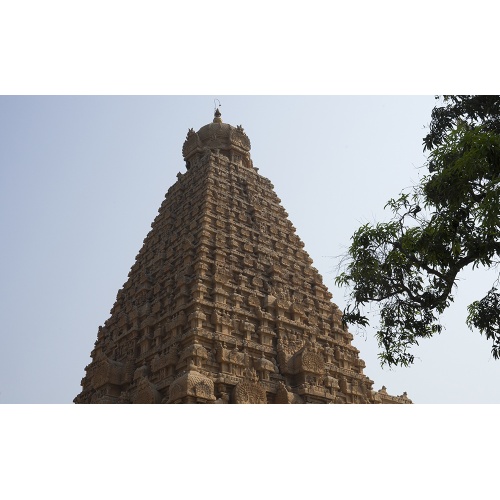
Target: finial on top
[[217, 113]]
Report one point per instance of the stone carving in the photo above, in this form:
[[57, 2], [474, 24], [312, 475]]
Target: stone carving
[[331, 383], [224, 399], [286, 396], [223, 294], [194, 353], [192, 384], [172, 356], [234, 360], [264, 367], [107, 371], [310, 361], [248, 392], [146, 393]]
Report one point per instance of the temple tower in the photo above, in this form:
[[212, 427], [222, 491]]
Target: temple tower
[[223, 304]]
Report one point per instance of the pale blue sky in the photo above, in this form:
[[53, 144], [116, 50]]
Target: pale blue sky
[[82, 178]]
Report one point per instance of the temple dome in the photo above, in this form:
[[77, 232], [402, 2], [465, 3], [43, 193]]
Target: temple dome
[[192, 383], [216, 136]]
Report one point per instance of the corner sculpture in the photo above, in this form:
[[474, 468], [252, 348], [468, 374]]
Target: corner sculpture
[[223, 304]]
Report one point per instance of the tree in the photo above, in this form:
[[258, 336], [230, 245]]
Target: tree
[[409, 266]]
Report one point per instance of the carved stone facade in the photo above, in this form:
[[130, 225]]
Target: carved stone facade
[[223, 304]]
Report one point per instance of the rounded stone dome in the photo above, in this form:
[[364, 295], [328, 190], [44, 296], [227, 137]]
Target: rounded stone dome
[[192, 383], [216, 136]]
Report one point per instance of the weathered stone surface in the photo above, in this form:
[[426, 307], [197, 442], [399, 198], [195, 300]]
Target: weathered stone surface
[[223, 304]]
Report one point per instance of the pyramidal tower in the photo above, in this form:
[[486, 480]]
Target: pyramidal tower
[[223, 304]]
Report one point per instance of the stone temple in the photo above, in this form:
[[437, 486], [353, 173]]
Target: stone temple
[[223, 304]]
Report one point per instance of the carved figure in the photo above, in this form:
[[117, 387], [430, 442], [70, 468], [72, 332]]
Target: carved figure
[[331, 383], [231, 361], [224, 399], [195, 353], [264, 367]]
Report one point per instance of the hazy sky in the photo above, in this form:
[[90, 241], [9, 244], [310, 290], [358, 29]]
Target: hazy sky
[[82, 178]]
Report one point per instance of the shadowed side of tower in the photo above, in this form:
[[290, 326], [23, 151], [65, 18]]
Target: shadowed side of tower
[[223, 304]]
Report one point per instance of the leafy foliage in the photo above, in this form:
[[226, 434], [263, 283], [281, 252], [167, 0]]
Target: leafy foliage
[[451, 220]]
